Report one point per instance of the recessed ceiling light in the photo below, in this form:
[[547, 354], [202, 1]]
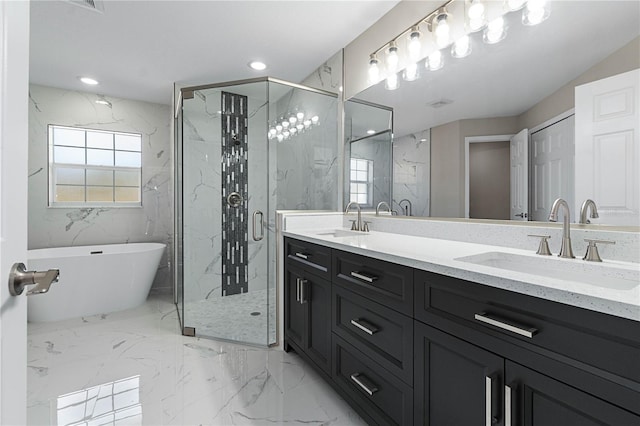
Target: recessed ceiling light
[[257, 65], [370, 132], [89, 81]]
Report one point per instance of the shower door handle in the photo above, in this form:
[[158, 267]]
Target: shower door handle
[[255, 215]]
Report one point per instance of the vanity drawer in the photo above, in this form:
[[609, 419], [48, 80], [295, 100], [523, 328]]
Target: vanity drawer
[[310, 257], [384, 397], [384, 282], [381, 333], [599, 340]]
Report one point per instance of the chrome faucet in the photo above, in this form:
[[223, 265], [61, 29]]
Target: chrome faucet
[[565, 248], [346, 211], [584, 209], [380, 204], [407, 209]]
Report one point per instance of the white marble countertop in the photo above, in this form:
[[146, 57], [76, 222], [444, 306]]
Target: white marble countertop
[[443, 257]]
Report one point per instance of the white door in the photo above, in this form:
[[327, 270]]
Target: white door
[[608, 147], [552, 168], [519, 199], [14, 74]]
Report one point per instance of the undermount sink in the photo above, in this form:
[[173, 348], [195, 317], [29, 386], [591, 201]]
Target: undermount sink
[[619, 277], [337, 233]]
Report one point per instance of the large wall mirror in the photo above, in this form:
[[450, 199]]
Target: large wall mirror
[[454, 125]]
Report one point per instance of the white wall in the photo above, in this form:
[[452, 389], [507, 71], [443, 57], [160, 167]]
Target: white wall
[[63, 227]]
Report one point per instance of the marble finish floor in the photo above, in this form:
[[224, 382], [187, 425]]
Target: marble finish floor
[[135, 368], [247, 317]]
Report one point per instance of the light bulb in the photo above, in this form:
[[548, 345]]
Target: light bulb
[[495, 31], [434, 61], [286, 134], [272, 131], [476, 10], [292, 119], [392, 58], [293, 131], [535, 12], [374, 70], [414, 46], [278, 128], [280, 138], [513, 5], [285, 124], [442, 30], [315, 119], [300, 116], [411, 72], [462, 47], [307, 123], [391, 83], [299, 127]]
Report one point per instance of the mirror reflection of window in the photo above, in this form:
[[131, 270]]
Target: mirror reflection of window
[[361, 181]]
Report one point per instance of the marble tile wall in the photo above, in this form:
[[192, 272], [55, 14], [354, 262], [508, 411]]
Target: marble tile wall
[[62, 227], [328, 76], [411, 171]]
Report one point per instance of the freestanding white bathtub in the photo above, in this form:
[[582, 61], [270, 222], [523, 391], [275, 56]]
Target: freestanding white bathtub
[[93, 279]]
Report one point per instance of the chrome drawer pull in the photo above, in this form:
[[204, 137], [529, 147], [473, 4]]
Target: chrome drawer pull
[[364, 277], [488, 403], [521, 330], [302, 255], [507, 405], [298, 290], [368, 328], [360, 381], [303, 291]]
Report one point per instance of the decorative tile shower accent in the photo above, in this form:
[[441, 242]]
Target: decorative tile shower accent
[[235, 201]]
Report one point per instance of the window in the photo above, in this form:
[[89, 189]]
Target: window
[[361, 181], [94, 167]]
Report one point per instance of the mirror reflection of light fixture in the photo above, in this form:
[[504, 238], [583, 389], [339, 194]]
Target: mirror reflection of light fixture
[[513, 5], [462, 47], [391, 83], [434, 61], [495, 32], [392, 58], [411, 72], [441, 29], [374, 69], [535, 12], [475, 15], [414, 45], [286, 128]]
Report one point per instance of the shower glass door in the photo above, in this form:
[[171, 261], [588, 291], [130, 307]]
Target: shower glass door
[[228, 283]]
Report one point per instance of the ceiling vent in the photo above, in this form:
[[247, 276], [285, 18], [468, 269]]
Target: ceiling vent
[[95, 5], [439, 103]]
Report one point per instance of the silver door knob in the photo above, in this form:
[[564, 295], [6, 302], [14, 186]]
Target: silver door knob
[[19, 278]]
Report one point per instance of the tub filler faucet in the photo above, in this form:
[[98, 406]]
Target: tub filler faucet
[[19, 278]]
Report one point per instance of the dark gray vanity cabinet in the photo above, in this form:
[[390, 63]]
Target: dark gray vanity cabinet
[[308, 305]]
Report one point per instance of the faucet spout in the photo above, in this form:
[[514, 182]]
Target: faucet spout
[[584, 210], [359, 223], [565, 248], [380, 204]]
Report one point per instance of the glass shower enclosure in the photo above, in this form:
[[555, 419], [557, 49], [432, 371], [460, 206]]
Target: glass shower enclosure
[[227, 151]]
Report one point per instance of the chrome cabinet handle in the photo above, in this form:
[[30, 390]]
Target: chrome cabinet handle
[[255, 215], [302, 255], [368, 328], [364, 383], [297, 289], [506, 325], [488, 403], [507, 405], [303, 291], [363, 276]]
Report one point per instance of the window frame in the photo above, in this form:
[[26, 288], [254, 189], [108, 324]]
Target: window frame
[[52, 166], [368, 182]]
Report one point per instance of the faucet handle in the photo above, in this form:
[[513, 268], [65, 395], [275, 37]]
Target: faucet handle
[[354, 227], [365, 226], [543, 248], [592, 254]]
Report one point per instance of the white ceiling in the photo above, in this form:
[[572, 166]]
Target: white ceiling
[[508, 78], [138, 49]]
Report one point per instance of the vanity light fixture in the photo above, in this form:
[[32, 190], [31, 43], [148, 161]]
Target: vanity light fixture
[[513, 5], [257, 65], [462, 47], [535, 12], [374, 70], [414, 45], [392, 58], [88, 81], [495, 32], [441, 29], [475, 15]]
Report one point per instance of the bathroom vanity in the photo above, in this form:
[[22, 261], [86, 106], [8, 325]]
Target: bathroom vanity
[[423, 339]]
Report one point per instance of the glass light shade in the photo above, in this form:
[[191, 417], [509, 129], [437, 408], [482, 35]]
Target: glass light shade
[[272, 131], [411, 72], [374, 71], [285, 124], [476, 10], [299, 127], [535, 12], [292, 119], [293, 131], [307, 123], [286, 134], [415, 45], [461, 48], [391, 83], [442, 30], [300, 116], [513, 5], [278, 128], [495, 32], [280, 138], [392, 58], [315, 119], [434, 61]]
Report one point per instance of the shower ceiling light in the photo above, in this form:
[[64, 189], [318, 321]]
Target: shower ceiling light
[[257, 65], [88, 80]]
